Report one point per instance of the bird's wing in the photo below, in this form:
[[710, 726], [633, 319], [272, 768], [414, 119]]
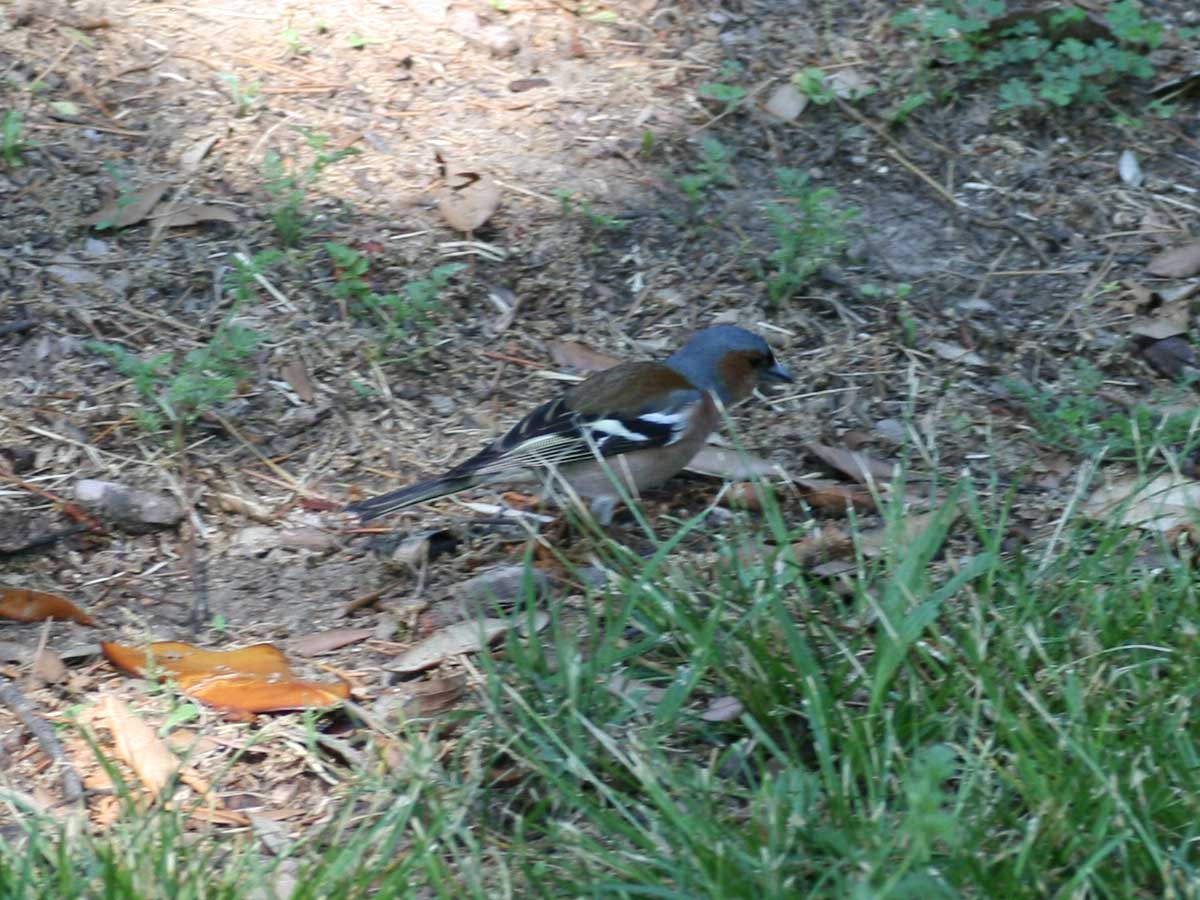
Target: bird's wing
[[601, 416]]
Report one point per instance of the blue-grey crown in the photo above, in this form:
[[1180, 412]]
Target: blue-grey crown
[[698, 359]]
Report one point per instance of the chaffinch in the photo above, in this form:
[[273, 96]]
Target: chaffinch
[[629, 427]]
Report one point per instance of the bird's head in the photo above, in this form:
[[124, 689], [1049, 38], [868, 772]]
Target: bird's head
[[728, 361]]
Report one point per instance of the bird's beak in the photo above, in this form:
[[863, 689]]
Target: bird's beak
[[777, 373]]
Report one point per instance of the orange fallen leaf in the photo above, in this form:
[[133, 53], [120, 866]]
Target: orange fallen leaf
[[258, 693], [25, 605], [176, 658], [834, 496], [830, 542], [744, 495], [254, 679]]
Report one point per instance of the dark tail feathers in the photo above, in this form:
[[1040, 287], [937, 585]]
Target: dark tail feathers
[[374, 507]]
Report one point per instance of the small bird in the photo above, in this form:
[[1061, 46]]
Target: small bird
[[634, 425]]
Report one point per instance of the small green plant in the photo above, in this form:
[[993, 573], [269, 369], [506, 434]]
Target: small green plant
[[12, 140], [729, 94], [809, 230], [900, 112], [1040, 61], [812, 83], [646, 151], [595, 222], [243, 95], [295, 46], [289, 184], [1077, 419], [179, 388], [714, 169], [721, 90], [910, 329], [398, 314]]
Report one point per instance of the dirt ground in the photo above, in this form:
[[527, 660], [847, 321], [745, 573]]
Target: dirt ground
[[981, 249]]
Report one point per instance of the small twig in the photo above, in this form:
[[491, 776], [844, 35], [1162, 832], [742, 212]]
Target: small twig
[[68, 508], [54, 64], [287, 483], [266, 285], [515, 360], [370, 599], [288, 480], [42, 731], [82, 121]]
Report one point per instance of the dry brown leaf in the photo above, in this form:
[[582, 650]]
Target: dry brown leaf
[[453, 640], [786, 102], [72, 275], [468, 199], [218, 816], [849, 84], [295, 373], [859, 466], [723, 709], [1179, 262], [421, 698], [876, 542], [732, 465], [325, 641], [1172, 357], [957, 353], [248, 508], [125, 210], [581, 357], [633, 689], [48, 667], [191, 744], [25, 605], [829, 542], [833, 568], [1166, 502], [189, 159], [744, 495], [1169, 321], [138, 746], [1129, 169], [197, 213]]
